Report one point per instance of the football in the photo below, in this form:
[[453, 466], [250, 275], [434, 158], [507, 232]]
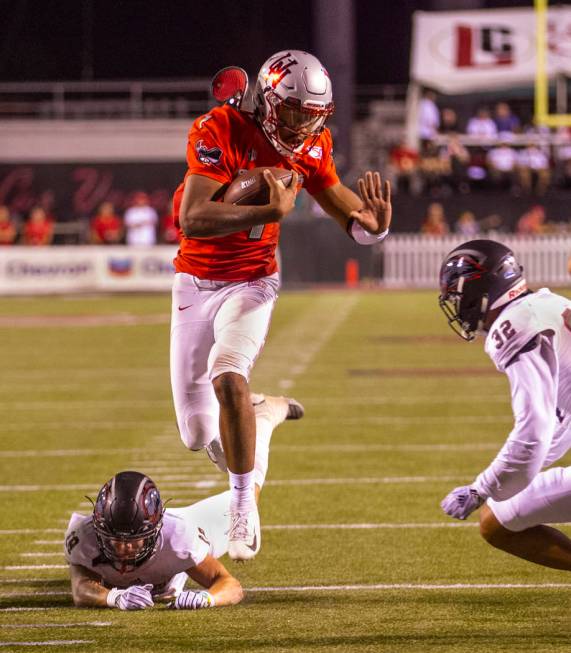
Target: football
[[249, 188]]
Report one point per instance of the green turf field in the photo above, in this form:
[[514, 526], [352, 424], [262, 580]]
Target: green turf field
[[356, 553]]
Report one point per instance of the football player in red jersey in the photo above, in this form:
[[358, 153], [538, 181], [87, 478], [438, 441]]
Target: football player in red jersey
[[226, 278]]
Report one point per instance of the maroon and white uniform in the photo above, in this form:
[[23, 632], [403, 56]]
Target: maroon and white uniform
[[188, 535], [531, 343]]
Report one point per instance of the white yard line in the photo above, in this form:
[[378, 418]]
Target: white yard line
[[50, 642], [384, 447], [65, 453], [29, 531], [219, 481], [13, 595], [370, 526], [168, 458], [77, 624], [53, 607], [29, 567], [75, 425], [404, 400], [409, 586], [87, 403], [457, 420]]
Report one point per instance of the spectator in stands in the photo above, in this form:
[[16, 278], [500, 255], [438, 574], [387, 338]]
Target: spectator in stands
[[8, 231], [563, 157], [428, 118], [492, 225], [482, 125], [46, 201], [502, 162], [106, 227], [404, 168], [169, 233], [532, 222], [449, 121], [39, 229], [458, 160], [141, 221], [534, 170], [434, 168], [466, 225], [434, 223], [506, 121]]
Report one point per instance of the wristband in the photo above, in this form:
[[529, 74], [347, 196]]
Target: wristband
[[362, 236], [113, 596]]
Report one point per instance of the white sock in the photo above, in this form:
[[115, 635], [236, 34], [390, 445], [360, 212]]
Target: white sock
[[242, 494], [264, 430]]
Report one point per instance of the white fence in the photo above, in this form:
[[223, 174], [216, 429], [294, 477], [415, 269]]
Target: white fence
[[414, 260]]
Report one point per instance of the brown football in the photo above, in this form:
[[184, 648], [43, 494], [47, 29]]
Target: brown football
[[249, 188]]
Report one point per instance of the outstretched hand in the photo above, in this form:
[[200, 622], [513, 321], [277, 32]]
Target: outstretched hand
[[376, 213]]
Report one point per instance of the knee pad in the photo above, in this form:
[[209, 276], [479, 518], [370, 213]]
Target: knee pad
[[238, 358], [197, 430]]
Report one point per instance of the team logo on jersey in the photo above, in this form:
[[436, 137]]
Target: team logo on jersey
[[315, 152], [208, 155]]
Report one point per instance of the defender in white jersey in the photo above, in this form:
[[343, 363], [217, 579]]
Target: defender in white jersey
[[528, 337], [132, 552]]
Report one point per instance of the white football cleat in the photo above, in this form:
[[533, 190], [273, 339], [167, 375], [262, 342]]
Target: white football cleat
[[244, 536], [276, 409], [215, 452]]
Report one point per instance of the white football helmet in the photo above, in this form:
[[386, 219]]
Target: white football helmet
[[293, 99]]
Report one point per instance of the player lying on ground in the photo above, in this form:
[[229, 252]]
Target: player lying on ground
[[528, 338], [226, 280], [131, 552]]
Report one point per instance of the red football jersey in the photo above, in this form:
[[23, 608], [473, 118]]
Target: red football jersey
[[221, 143]]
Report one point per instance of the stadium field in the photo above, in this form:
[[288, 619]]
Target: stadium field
[[356, 554]]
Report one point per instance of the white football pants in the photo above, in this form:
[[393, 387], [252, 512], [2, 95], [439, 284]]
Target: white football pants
[[216, 327]]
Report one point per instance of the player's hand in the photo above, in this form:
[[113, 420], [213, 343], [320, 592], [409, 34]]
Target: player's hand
[[137, 597], [282, 199], [375, 216], [190, 600], [461, 502]]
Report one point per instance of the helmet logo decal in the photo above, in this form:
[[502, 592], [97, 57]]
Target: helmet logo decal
[[279, 68], [208, 155]]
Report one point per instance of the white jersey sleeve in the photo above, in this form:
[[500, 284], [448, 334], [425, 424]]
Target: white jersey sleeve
[[533, 383]]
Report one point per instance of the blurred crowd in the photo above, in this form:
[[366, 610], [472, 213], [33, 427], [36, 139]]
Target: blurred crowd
[[492, 149], [532, 222], [140, 225]]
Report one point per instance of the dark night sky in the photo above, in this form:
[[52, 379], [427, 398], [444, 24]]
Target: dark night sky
[[136, 39]]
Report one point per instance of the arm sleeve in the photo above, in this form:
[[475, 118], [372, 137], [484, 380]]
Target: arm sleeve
[[533, 383]]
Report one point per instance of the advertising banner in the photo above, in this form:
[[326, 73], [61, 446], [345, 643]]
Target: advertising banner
[[465, 51], [54, 270]]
